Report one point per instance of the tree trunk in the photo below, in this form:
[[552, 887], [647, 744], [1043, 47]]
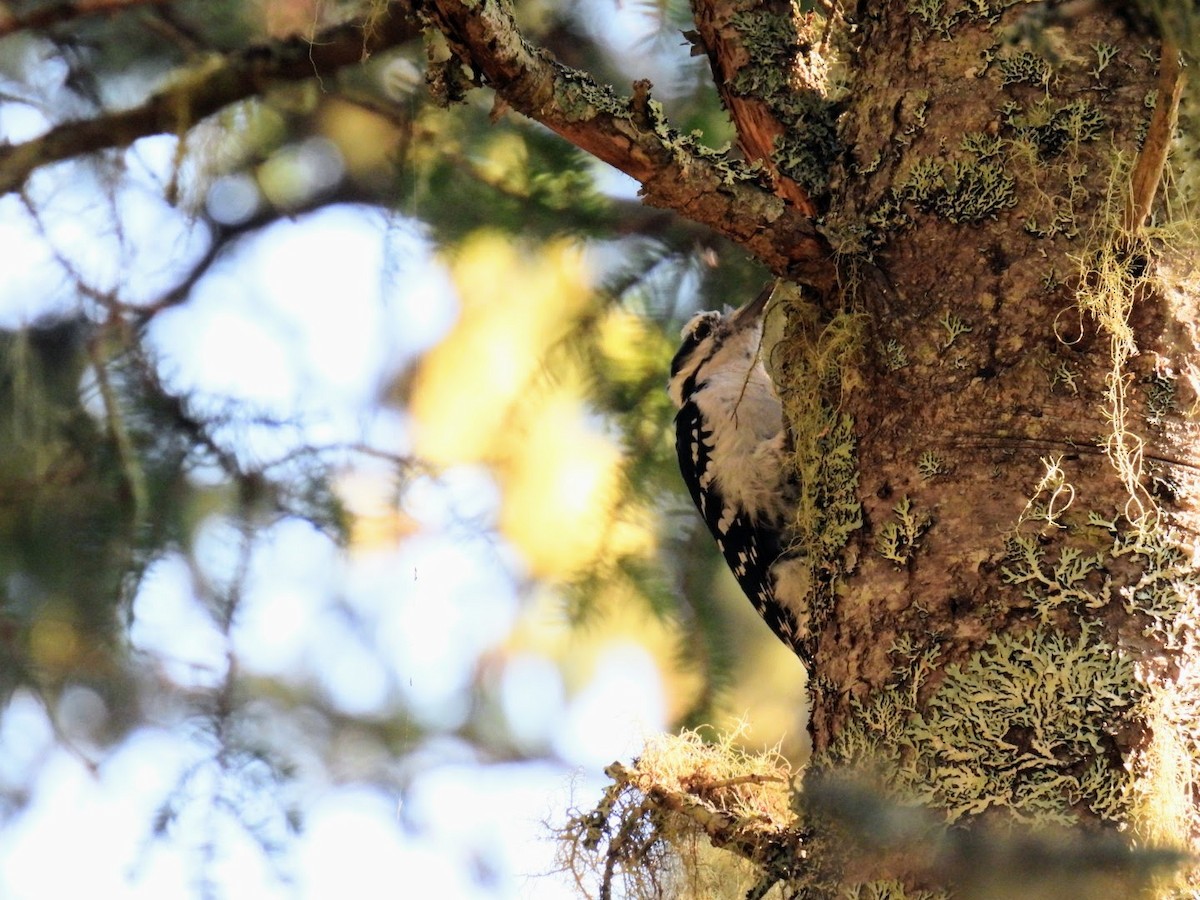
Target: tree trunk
[[1010, 633], [989, 383]]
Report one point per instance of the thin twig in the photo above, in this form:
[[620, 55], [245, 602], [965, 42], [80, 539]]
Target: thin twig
[[1147, 172], [210, 87], [60, 13]]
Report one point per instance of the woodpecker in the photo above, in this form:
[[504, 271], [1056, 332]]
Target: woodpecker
[[732, 448]]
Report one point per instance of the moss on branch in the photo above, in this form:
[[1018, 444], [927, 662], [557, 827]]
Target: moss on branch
[[631, 134]]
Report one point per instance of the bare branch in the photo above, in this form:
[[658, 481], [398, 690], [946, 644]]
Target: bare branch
[[204, 91], [630, 134], [224, 236], [1147, 173]]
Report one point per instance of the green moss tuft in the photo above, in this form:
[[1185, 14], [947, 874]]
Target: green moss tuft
[[813, 367]]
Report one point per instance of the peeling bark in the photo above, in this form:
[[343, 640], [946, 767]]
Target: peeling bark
[[758, 123], [631, 135]]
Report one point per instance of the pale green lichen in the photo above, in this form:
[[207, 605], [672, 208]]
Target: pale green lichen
[[1025, 67], [867, 741], [1053, 127], [1099, 561], [982, 145], [654, 115], [966, 190], [1036, 156], [931, 14], [1160, 397], [1066, 377], [930, 465], [898, 540], [934, 15], [1008, 729], [894, 355], [786, 71], [923, 183], [771, 42], [1062, 221], [912, 116], [975, 191], [1165, 586], [811, 143], [889, 890], [1028, 722], [1105, 54], [1069, 578], [1079, 566], [954, 327]]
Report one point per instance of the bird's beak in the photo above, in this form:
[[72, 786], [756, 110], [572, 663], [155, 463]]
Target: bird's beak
[[752, 311]]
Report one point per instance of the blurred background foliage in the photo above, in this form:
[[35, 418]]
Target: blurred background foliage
[[335, 462]]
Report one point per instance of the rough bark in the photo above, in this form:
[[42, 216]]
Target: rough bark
[[1028, 479], [760, 80]]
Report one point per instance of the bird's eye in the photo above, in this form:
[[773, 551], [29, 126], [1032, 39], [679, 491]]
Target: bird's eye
[[699, 327], [694, 333]]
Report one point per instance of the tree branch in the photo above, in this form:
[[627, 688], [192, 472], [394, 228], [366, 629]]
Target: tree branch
[[631, 134], [676, 173], [58, 13], [209, 88], [759, 126]]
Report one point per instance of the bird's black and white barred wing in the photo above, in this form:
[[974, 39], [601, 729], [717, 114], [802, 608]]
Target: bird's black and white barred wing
[[750, 547]]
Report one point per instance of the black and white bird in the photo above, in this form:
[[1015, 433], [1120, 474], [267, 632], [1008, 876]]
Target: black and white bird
[[732, 447]]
